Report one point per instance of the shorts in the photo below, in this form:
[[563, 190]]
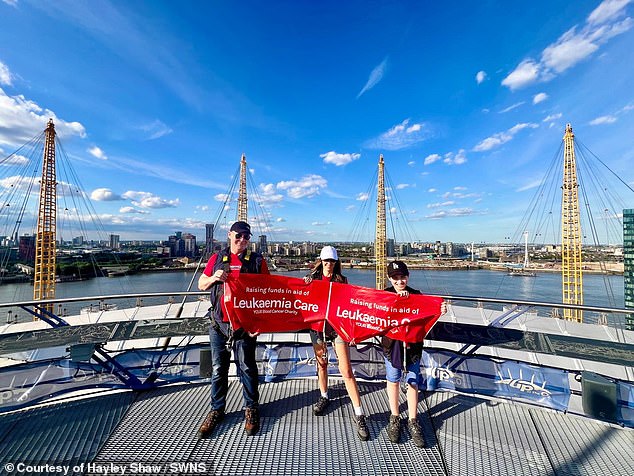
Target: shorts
[[412, 377], [317, 338]]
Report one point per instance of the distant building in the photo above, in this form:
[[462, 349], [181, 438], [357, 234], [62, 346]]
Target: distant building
[[78, 241], [404, 249], [114, 242], [189, 244], [176, 245], [209, 240], [390, 248], [628, 260], [26, 248], [262, 248]]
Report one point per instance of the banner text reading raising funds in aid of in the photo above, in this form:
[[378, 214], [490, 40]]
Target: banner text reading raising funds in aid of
[[265, 303]]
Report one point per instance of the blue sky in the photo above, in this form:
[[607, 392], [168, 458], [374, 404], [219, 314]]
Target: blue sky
[[155, 101]]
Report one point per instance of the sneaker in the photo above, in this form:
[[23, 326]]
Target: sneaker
[[320, 406], [362, 428], [210, 422], [417, 433], [251, 421], [394, 428]]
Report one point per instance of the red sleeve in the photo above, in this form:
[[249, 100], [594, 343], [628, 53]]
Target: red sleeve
[[210, 265], [264, 268]]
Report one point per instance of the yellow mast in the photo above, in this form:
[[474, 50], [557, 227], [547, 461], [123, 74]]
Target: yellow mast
[[242, 192], [571, 274], [45, 240], [380, 249]]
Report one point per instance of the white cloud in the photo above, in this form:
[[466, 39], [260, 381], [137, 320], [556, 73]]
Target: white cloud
[[402, 186], [411, 163], [221, 197], [268, 195], [529, 186], [6, 78], [333, 157], [156, 129], [574, 46], [454, 212], [448, 203], [129, 210], [400, 136], [607, 10], [567, 51], [539, 97], [432, 190], [104, 195], [527, 72], [23, 119], [609, 119], [320, 223], [18, 183], [552, 117], [500, 138], [375, 77], [458, 158], [306, 187], [363, 197], [511, 107], [480, 77], [13, 3], [98, 153], [13, 159], [149, 200], [430, 159]]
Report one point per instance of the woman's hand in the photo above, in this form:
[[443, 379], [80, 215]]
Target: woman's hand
[[308, 279]]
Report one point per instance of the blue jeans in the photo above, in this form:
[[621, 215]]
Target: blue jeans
[[244, 350]]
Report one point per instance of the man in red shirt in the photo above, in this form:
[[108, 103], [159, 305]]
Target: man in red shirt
[[234, 259]]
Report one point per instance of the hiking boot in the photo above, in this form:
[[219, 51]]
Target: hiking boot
[[251, 421], [320, 406], [362, 428], [394, 428], [417, 433], [210, 422]]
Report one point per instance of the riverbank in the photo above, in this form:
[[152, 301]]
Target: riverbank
[[589, 268]]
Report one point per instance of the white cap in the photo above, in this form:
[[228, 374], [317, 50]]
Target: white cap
[[328, 252]]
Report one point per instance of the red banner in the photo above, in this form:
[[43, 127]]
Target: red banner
[[358, 313], [270, 303]]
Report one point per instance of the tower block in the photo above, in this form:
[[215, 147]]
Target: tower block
[[45, 239], [571, 266]]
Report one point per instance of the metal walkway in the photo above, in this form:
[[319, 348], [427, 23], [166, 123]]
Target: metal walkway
[[155, 433]]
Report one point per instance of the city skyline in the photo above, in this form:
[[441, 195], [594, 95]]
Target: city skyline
[[155, 102]]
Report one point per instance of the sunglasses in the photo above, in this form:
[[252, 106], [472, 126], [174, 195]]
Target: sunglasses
[[246, 236]]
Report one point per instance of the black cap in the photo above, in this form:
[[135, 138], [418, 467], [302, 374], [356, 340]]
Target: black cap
[[241, 227], [397, 267]]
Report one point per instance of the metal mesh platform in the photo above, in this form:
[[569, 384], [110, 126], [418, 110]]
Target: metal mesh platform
[[155, 433]]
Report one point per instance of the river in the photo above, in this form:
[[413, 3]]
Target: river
[[544, 287]]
